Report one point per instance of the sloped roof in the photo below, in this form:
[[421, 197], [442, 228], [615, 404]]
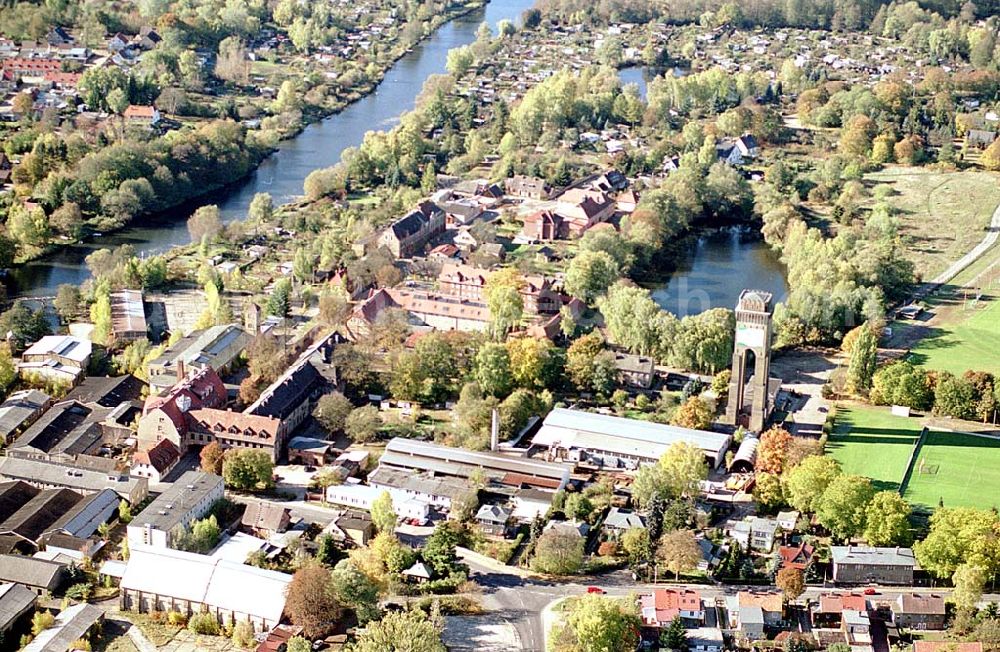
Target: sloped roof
[[161, 456], [71, 625], [15, 600], [215, 582], [30, 571], [264, 515]]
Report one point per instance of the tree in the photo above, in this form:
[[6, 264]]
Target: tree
[[67, 301], [678, 551], [248, 469], [960, 535], [694, 413], [792, 582], [439, 549], [901, 383], [590, 274], [768, 492], [279, 304], [211, 457], [864, 357], [311, 602], [243, 634], [887, 520], [261, 208], [559, 551], [596, 623], [636, 544], [100, 315], [843, 506], [124, 512], [990, 158], [354, 589], [674, 637], [332, 410], [231, 64], [684, 468], [363, 424], [205, 224], [400, 631], [532, 362], [493, 369], [383, 516], [804, 484], [504, 301], [580, 357], [772, 450], [969, 583]]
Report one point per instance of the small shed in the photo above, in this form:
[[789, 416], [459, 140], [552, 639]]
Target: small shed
[[418, 572]]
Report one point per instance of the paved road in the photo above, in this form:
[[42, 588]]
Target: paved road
[[993, 232]]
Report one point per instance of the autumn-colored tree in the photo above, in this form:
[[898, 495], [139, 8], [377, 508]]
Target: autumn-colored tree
[[678, 551], [695, 413], [211, 458], [773, 450], [990, 158], [310, 600], [791, 581]]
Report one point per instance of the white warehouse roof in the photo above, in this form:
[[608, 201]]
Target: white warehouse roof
[[646, 440], [207, 580]]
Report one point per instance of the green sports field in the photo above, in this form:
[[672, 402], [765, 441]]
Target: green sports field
[[969, 343], [873, 443], [961, 470]]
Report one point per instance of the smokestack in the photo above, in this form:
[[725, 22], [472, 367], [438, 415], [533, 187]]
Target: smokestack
[[180, 369], [494, 431]]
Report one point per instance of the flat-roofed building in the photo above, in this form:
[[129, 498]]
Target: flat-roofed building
[[161, 579], [617, 441], [217, 347], [128, 316], [188, 499]]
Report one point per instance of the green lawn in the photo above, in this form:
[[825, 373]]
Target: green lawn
[[962, 470], [969, 343], [942, 214], [873, 443]]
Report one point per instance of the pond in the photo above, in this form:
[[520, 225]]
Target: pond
[[711, 269]]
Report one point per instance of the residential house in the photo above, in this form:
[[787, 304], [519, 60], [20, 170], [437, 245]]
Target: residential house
[[828, 612], [750, 612], [863, 565], [39, 575], [128, 316], [407, 236], [79, 622], [308, 451], [663, 606], [165, 416], [264, 519], [493, 519], [459, 212], [141, 116], [748, 146], [750, 622], [155, 463], [920, 611], [628, 201], [361, 496], [356, 527], [147, 38], [857, 628], [20, 410], [542, 226], [799, 557], [619, 521], [528, 187], [59, 358], [187, 499], [465, 240], [635, 370], [787, 520], [160, 579], [727, 152], [418, 572], [704, 639], [581, 209], [529, 504]]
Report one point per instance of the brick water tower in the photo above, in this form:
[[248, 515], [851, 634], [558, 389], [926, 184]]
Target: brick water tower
[[749, 399]]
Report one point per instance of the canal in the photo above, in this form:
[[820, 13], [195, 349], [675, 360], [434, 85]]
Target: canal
[[282, 174]]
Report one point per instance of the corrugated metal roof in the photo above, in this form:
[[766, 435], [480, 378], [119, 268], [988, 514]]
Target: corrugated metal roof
[[458, 461]]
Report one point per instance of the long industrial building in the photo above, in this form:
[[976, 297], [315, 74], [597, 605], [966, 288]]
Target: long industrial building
[[619, 442]]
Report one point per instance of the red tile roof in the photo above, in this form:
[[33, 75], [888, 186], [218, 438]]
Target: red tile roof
[[161, 456], [667, 604], [838, 602]]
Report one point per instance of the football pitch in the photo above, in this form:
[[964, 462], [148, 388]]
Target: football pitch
[[956, 469], [872, 442]]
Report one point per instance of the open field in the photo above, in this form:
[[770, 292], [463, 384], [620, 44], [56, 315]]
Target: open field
[[966, 340], [960, 469], [943, 214], [872, 442]]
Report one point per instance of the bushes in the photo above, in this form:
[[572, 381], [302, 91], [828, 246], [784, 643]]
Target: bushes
[[177, 618], [204, 623]]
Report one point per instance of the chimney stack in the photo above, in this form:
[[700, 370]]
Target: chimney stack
[[494, 431], [180, 369]]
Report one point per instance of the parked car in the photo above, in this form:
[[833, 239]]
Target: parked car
[[596, 589]]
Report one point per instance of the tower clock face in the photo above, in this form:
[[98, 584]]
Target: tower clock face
[[751, 336]]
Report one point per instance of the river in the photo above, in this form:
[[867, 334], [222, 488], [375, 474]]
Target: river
[[711, 269], [282, 174]]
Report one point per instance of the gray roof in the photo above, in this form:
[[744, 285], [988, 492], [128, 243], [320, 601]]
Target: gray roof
[[88, 514], [445, 460], [751, 614], [202, 347], [60, 475], [71, 625], [68, 427], [868, 556], [30, 571], [634, 363], [420, 483], [621, 519], [170, 508], [15, 600], [493, 514], [643, 439], [20, 407]]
